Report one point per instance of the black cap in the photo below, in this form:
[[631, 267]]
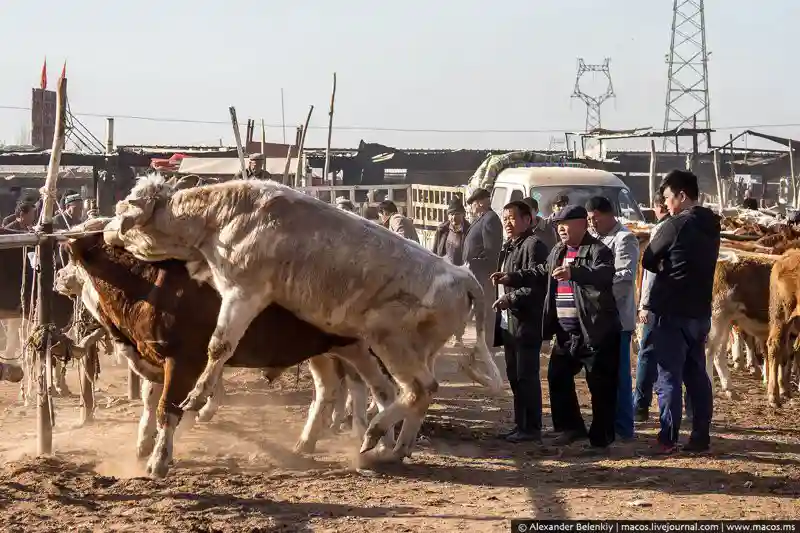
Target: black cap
[[571, 212], [478, 194], [455, 206]]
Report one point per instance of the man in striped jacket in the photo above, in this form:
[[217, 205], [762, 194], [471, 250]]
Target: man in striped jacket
[[581, 311]]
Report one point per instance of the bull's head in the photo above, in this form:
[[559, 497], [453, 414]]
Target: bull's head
[[138, 207], [68, 280]]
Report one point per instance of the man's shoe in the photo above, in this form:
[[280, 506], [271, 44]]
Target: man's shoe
[[568, 437], [661, 449], [506, 434], [522, 436], [694, 447]]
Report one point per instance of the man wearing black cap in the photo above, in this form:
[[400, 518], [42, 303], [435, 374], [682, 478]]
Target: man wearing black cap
[[482, 249], [449, 239], [519, 320], [580, 310]]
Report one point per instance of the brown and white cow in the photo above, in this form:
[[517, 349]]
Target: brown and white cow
[[265, 243], [161, 320]]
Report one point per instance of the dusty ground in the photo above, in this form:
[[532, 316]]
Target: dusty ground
[[237, 473]]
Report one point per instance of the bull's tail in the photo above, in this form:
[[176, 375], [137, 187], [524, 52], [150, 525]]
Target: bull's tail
[[480, 352]]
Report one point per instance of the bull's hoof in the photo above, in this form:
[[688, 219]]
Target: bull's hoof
[[371, 440], [194, 402], [304, 446], [157, 469], [205, 416], [731, 395], [144, 449]]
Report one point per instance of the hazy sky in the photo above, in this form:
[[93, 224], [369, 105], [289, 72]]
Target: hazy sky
[[414, 65]]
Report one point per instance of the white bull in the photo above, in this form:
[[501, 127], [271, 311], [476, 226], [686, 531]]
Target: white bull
[[265, 243]]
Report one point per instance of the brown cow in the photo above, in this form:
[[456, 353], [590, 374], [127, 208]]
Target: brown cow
[[784, 312], [740, 298], [161, 320]]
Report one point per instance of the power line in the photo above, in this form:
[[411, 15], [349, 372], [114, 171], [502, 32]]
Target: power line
[[375, 128]]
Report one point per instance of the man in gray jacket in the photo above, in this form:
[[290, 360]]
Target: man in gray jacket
[[482, 244], [625, 246]]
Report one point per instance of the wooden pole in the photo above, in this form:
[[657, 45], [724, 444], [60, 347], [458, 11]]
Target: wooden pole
[[302, 145], [791, 171], [44, 412], [283, 118], [330, 132], [238, 136], [287, 165], [264, 141], [719, 181], [652, 177], [87, 385]]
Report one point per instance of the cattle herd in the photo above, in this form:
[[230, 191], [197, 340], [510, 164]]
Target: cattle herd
[[185, 280]]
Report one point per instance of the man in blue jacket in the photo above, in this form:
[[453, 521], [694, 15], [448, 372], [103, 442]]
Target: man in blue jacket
[[683, 255]]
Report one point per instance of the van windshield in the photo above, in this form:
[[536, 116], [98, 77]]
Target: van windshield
[[624, 204]]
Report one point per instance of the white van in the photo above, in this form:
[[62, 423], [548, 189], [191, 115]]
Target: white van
[[544, 184]]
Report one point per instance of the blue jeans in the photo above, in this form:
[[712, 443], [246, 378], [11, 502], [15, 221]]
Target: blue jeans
[[677, 345], [646, 374], [623, 421]]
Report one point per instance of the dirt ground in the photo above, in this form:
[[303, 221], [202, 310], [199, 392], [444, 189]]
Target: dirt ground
[[238, 473]]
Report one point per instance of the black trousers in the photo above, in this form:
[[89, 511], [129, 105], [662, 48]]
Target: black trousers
[[522, 369], [601, 377]]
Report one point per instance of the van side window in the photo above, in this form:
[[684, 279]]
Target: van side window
[[499, 198], [516, 195]]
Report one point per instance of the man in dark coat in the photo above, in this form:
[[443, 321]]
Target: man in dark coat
[[448, 242], [683, 256], [255, 169], [519, 320], [482, 249], [580, 310]]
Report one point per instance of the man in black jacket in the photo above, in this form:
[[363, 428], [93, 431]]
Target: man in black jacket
[[519, 320], [683, 255], [580, 310], [482, 245]]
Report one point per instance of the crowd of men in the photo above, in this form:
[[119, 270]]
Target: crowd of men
[[570, 279], [71, 211]]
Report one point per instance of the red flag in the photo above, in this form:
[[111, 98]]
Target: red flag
[[64, 70], [44, 75]]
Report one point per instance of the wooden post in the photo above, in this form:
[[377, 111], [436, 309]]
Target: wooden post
[[283, 118], [109, 135], [87, 385], [264, 141], [719, 182], [330, 131], [44, 412], [302, 145], [791, 171], [238, 136], [652, 178]]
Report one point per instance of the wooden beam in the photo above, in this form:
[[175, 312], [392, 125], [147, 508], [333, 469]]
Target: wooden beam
[[45, 249], [330, 132]]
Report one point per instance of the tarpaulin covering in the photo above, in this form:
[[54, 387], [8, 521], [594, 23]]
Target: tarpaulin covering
[[228, 166]]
